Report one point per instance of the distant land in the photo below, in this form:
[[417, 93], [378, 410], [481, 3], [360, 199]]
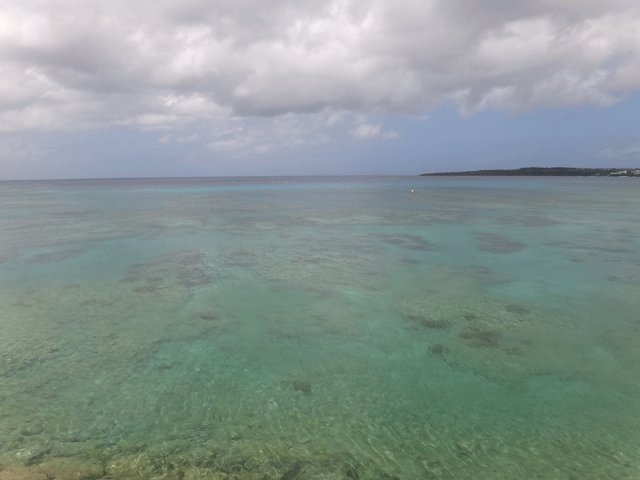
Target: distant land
[[550, 172]]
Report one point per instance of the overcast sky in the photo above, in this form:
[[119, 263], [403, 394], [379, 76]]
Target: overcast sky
[[232, 87]]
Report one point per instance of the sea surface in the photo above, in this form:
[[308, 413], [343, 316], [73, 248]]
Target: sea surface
[[323, 328]]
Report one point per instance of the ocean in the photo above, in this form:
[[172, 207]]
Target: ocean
[[324, 328]]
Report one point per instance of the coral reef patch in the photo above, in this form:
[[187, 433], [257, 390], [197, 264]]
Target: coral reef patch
[[408, 242], [494, 243], [55, 256]]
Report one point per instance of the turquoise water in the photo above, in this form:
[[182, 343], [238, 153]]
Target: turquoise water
[[326, 328]]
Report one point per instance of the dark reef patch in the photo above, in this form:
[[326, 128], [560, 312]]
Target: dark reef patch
[[409, 261], [593, 247], [189, 268], [494, 243], [513, 350], [192, 272], [408, 242], [429, 323], [242, 258], [478, 337], [527, 220], [147, 289], [516, 309], [208, 315], [302, 386], [630, 279], [55, 256], [438, 349], [485, 276]]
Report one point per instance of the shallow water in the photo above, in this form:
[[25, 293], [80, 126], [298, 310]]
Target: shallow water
[[320, 328]]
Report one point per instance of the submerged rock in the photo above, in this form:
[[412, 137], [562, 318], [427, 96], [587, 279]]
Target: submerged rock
[[71, 469], [57, 468], [302, 436], [200, 473], [34, 429], [292, 472], [517, 309], [302, 386], [34, 460], [129, 466], [22, 473]]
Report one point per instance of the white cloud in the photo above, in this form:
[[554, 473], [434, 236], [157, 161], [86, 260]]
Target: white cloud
[[188, 138], [390, 135], [366, 132], [171, 138], [166, 66], [276, 134]]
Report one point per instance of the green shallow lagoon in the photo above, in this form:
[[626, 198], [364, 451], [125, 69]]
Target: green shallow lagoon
[[336, 328]]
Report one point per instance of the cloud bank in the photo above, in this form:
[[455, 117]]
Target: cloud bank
[[298, 66]]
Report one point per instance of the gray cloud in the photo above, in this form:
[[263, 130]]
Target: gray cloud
[[158, 65]]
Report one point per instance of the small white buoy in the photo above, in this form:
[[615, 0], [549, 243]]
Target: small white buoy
[[412, 191]]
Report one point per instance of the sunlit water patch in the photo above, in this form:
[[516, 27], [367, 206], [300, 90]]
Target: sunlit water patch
[[320, 328]]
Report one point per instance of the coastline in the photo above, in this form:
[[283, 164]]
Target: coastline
[[547, 172]]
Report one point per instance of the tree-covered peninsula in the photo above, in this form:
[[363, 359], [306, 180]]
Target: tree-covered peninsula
[[550, 172]]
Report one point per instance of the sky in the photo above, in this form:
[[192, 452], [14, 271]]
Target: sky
[[315, 87]]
